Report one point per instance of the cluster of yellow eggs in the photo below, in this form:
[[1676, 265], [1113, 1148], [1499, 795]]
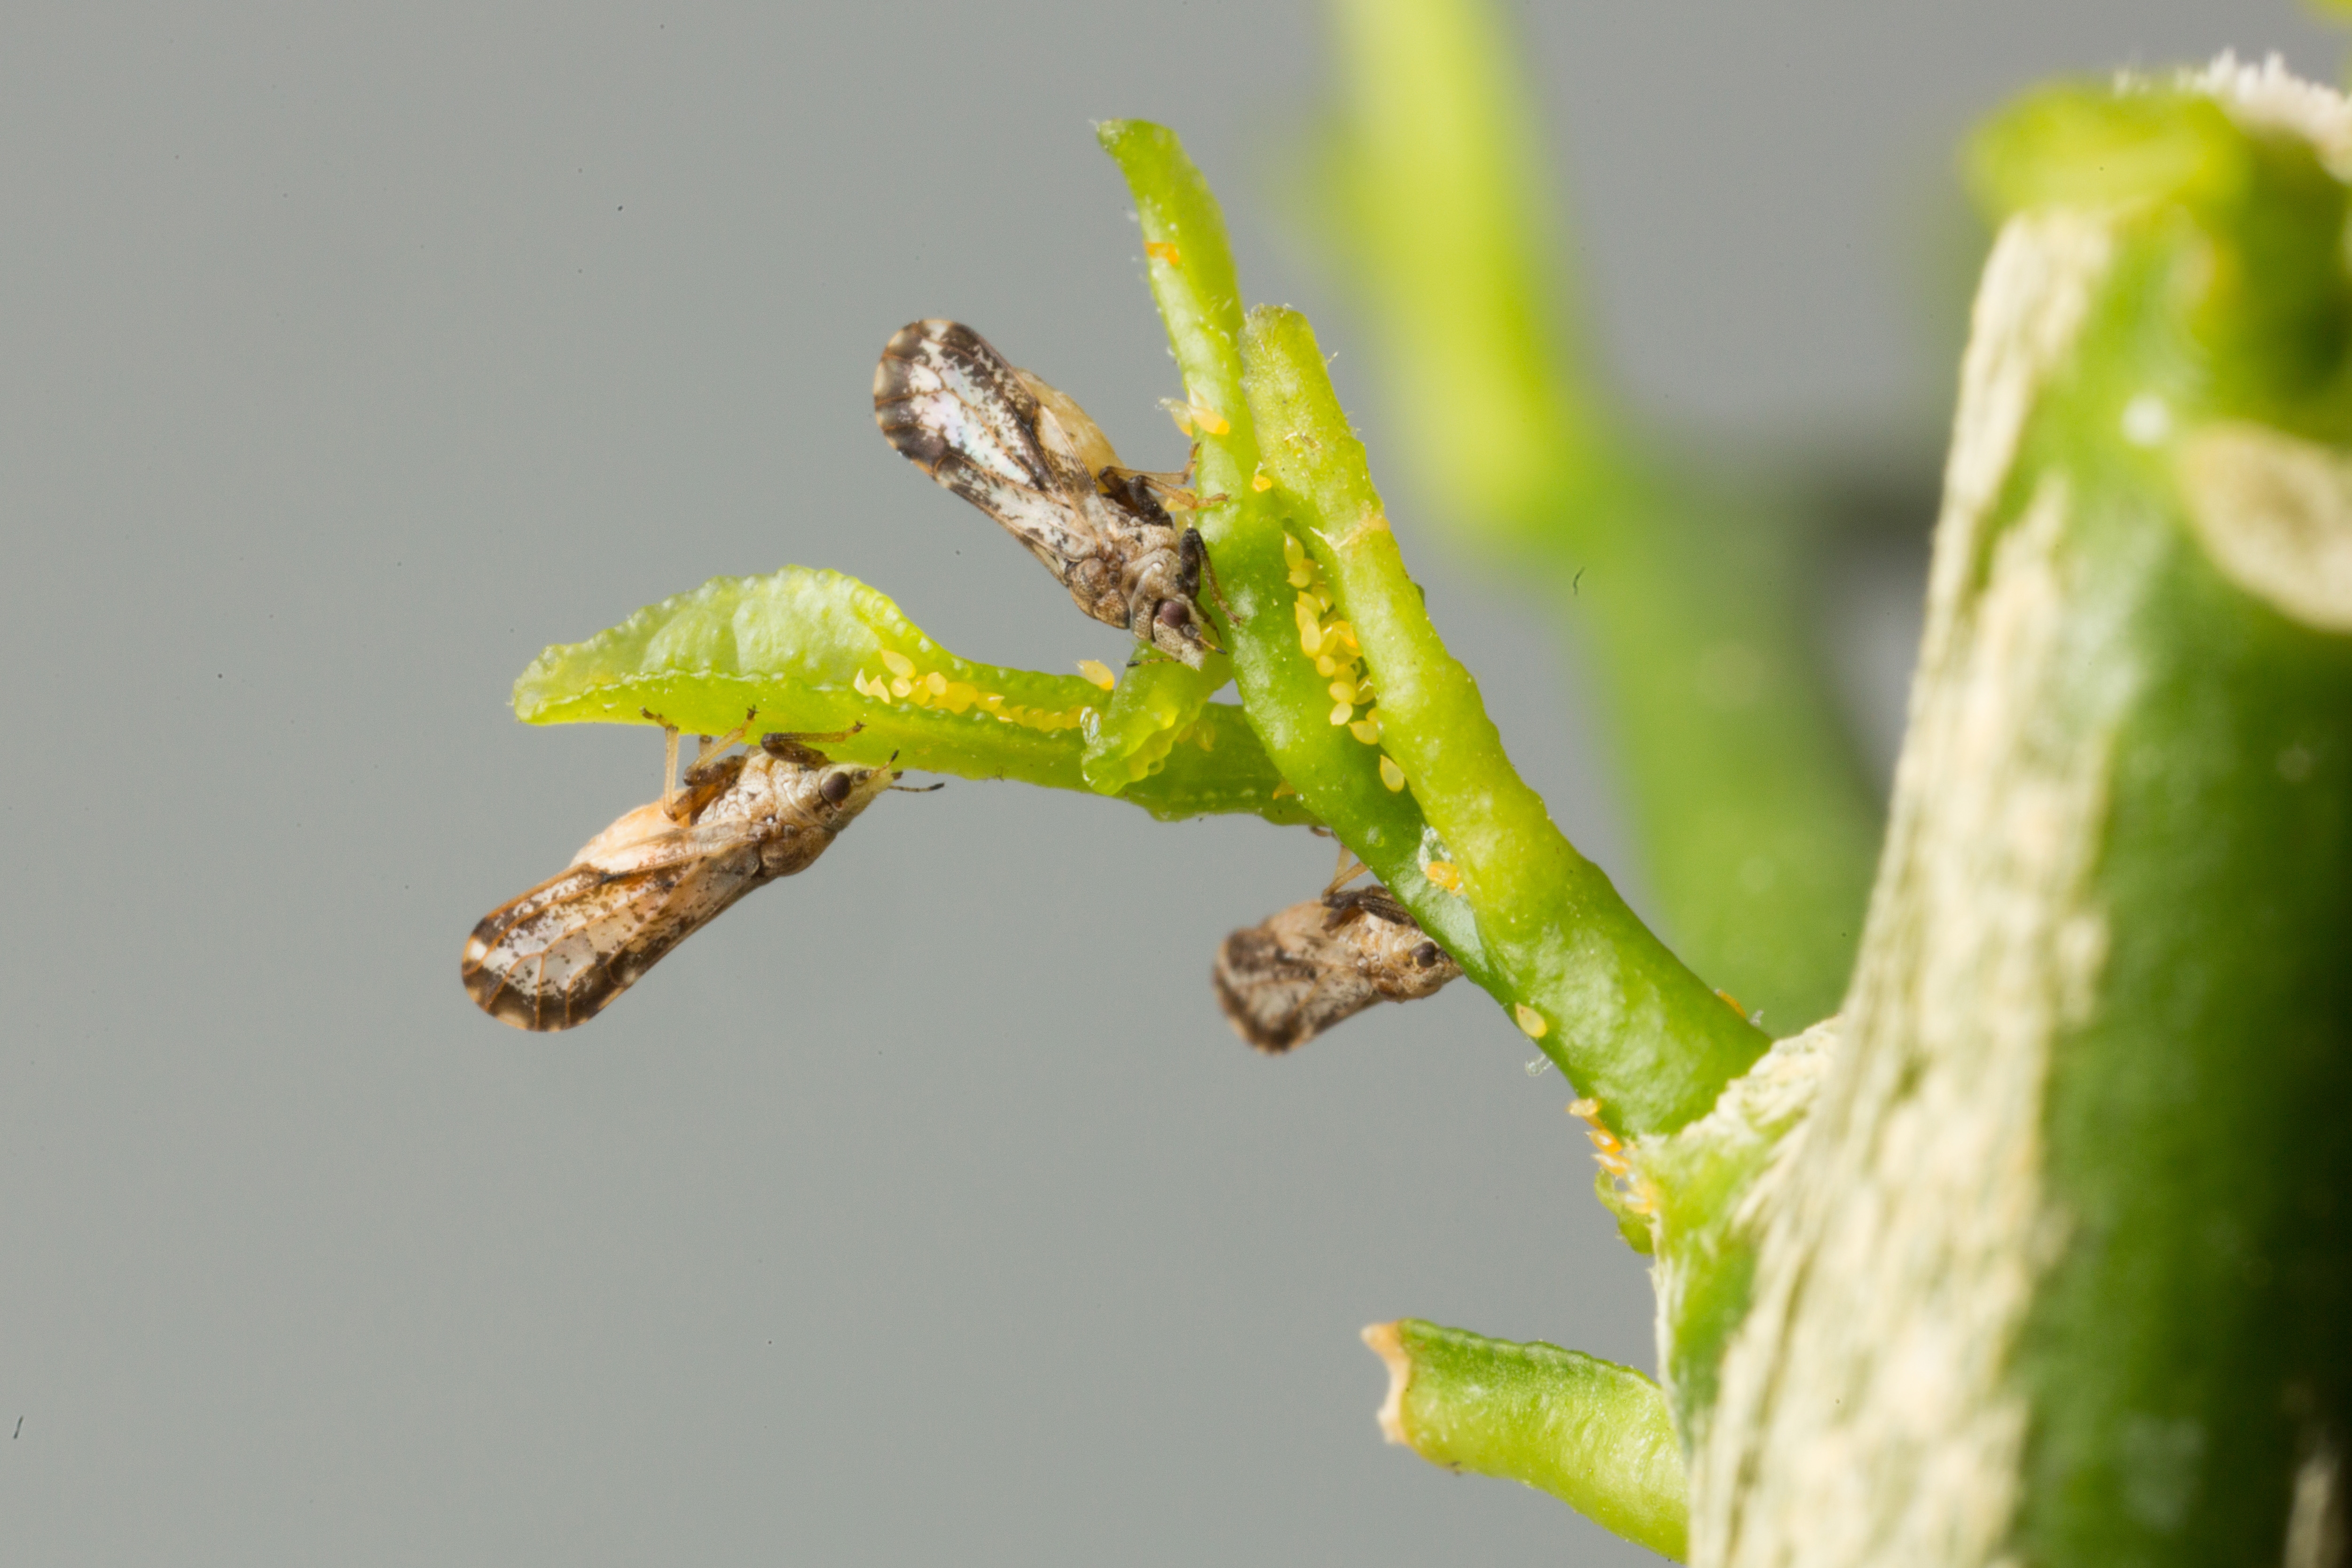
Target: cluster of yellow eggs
[[903, 682]]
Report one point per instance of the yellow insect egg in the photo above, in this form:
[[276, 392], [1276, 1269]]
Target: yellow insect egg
[[901, 686], [1391, 774], [936, 683], [1260, 482], [1366, 729], [1446, 874], [1160, 250], [1098, 672], [1310, 627], [1211, 422], [960, 695], [1343, 692], [1178, 413], [1531, 1023], [1343, 712], [897, 663]]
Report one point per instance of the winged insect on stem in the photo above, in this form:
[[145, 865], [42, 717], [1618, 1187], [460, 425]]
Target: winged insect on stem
[[555, 956], [1029, 457], [1286, 980]]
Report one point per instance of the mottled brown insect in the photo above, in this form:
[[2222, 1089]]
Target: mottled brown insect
[[556, 955], [1286, 981], [1029, 457]]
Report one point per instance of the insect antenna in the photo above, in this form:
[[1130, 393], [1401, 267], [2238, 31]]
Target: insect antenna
[[909, 789]]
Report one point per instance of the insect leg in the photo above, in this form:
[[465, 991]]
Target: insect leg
[[669, 762], [1193, 565], [796, 748], [710, 748], [1347, 871]]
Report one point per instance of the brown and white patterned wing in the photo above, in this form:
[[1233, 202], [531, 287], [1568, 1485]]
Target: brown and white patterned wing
[[555, 956], [955, 408]]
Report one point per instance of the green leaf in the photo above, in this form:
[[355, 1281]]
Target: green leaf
[[816, 652]]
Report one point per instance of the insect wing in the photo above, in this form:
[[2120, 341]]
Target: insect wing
[[554, 957], [951, 405]]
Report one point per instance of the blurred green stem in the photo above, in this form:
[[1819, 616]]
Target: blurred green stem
[[1756, 830]]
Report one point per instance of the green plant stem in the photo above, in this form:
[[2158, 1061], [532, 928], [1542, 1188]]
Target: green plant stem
[[2062, 1267], [1592, 1433], [1200, 302], [1628, 1023]]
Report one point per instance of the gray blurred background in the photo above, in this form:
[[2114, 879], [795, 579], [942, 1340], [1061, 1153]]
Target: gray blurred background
[[923, 1209]]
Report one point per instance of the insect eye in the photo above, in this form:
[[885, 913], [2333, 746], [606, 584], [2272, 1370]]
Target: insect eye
[[1426, 954], [834, 787], [1174, 614]]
